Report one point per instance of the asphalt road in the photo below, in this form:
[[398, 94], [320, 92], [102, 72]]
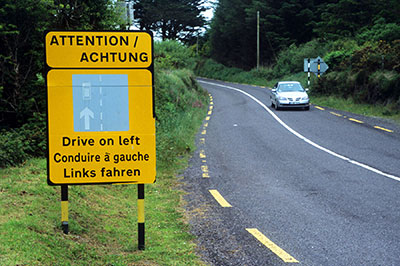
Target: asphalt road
[[318, 187]]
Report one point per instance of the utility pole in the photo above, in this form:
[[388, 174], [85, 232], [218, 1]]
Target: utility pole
[[258, 39], [197, 44]]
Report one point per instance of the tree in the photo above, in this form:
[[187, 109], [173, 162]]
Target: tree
[[86, 15], [282, 23], [22, 26], [174, 19], [347, 18], [231, 36]]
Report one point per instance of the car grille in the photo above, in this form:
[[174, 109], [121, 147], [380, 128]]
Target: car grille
[[291, 99]]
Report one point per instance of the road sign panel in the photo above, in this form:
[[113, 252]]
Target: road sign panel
[[116, 153], [90, 49], [314, 65]]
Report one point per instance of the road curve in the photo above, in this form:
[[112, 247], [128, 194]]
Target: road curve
[[318, 187]]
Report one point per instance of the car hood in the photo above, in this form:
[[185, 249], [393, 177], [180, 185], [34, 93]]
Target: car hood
[[293, 94]]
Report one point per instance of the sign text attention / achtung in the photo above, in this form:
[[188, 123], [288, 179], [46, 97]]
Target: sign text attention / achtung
[[98, 49]]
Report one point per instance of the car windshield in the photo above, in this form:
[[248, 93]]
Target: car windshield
[[290, 87]]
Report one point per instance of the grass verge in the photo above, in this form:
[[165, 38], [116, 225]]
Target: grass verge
[[377, 110], [102, 222]]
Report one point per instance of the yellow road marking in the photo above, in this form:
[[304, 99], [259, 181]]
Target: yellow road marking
[[336, 114], [218, 197], [204, 168], [211, 107], [207, 118], [202, 140], [211, 102], [384, 129], [209, 112], [205, 124], [203, 132], [355, 120], [202, 154], [204, 161], [271, 245], [320, 108]]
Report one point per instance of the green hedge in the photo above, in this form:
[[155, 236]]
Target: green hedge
[[17, 145]]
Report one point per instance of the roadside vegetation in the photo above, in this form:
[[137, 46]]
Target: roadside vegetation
[[366, 92], [359, 40]]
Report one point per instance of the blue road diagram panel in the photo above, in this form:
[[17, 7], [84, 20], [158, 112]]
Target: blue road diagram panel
[[100, 102]]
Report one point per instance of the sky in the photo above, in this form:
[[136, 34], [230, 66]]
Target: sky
[[209, 13]]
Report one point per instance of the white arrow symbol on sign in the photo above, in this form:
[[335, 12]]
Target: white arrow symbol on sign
[[87, 113]]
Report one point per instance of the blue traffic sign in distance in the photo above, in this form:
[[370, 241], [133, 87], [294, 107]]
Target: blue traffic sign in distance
[[100, 102], [313, 67]]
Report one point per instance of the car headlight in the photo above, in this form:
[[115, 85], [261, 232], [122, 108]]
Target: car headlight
[[281, 98], [305, 98]]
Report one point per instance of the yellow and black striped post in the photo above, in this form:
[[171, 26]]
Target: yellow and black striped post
[[319, 68], [140, 207], [64, 208]]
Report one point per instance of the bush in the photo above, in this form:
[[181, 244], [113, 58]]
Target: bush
[[291, 59], [173, 55], [17, 145], [380, 31], [338, 60]]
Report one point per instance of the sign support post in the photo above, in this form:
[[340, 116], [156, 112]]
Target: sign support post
[[140, 205], [64, 209], [319, 67]]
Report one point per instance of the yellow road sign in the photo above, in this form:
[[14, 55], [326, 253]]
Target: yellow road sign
[[90, 49], [101, 127]]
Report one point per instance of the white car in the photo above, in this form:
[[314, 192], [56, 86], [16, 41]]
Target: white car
[[289, 94]]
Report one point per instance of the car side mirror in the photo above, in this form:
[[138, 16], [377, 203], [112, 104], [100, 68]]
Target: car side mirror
[[307, 89], [274, 90]]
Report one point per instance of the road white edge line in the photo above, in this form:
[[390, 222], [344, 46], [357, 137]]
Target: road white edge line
[[367, 167]]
